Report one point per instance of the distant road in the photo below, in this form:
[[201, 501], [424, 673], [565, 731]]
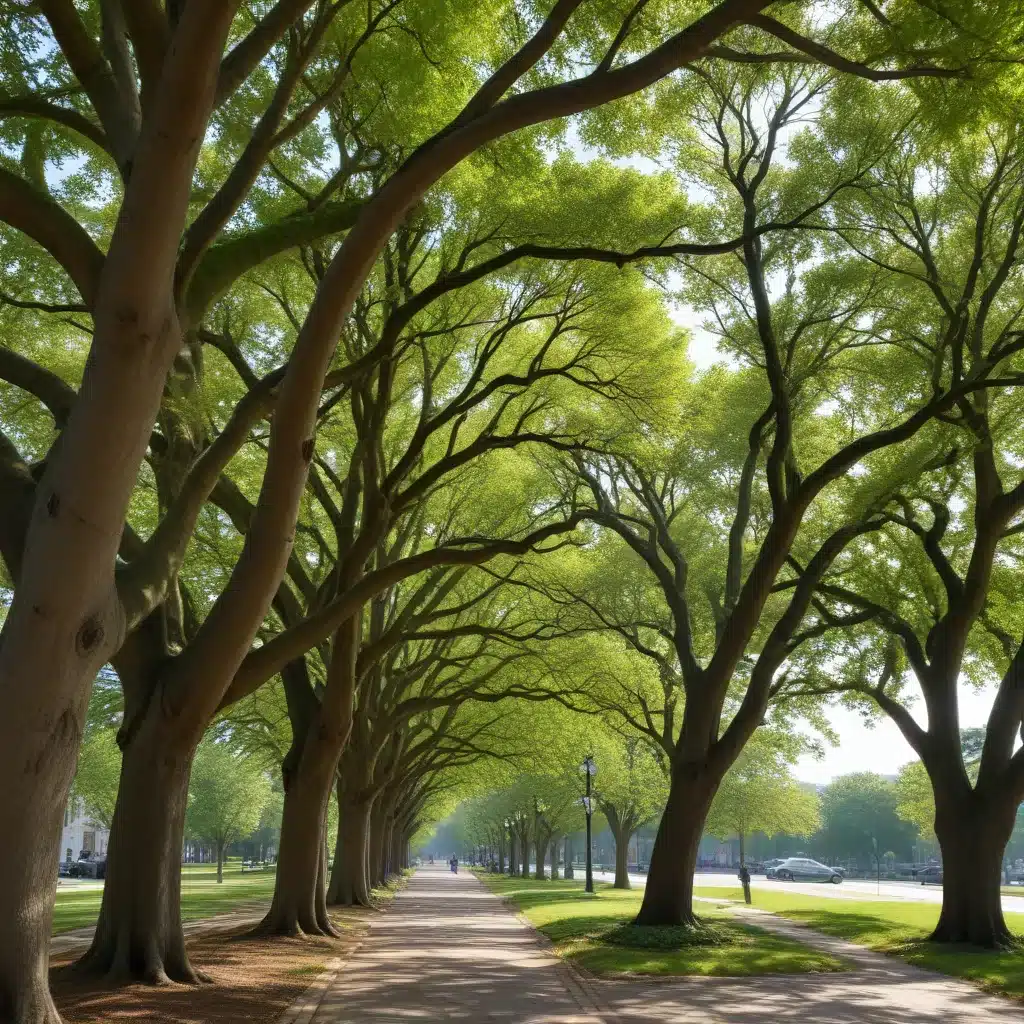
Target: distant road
[[853, 889]]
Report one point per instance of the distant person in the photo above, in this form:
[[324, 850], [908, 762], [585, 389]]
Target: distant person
[[745, 882], [454, 863]]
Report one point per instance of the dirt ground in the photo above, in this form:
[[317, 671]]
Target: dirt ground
[[254, 980]]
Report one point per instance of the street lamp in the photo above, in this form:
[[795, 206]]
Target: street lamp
[[590, 768]]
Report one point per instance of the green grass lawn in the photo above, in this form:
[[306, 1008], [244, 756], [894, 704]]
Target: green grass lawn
[[897, 928], [594, 932], [201, 896]]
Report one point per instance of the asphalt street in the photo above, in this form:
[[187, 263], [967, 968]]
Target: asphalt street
[[854, 888]]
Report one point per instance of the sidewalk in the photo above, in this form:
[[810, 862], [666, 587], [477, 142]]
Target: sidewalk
[[448, 949]]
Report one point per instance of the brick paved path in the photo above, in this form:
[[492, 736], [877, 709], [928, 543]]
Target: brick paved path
[[449, 950]]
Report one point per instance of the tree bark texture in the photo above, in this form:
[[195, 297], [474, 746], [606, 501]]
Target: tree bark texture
[[319, 733], [621, 860], [138, 934], [33, 799], [668, 895], [378, 847], [66, 619], [542, 851], [972, 833], [350, 885], [294, 909]]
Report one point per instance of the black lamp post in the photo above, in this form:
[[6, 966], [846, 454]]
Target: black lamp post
[[590, 768]]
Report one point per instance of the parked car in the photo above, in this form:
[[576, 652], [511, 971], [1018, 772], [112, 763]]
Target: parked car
[[931, 875], [89, 865], [804, 869]]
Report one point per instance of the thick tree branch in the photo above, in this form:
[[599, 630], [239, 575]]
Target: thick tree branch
[[57, 395], [243, 58], [35, 214], [33, 106], [829, 58]]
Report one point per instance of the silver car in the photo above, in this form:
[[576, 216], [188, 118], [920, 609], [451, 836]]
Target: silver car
[[803, 869]]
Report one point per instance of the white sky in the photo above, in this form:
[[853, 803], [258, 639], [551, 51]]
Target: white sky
[[879, 746]]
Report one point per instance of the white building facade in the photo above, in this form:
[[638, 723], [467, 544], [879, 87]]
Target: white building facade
[[80, 833]]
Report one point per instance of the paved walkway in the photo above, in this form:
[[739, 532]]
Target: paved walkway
[[448, 950]]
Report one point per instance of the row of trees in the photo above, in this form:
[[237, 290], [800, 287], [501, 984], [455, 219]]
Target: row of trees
[[342, 401]]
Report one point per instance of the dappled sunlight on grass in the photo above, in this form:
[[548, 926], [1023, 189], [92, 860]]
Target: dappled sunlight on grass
[[595, 932]]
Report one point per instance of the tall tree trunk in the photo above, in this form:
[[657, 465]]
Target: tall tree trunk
[[397, 845], [668, 895], [38, 771], [524, 846], [622, 837], [67, 617], [294, 909], [567, 845], [349, 878], [542, 850], [319, 733], [377, 854], [513, 851], [220, 861], [973, 832], [138, 935], [554, 857]]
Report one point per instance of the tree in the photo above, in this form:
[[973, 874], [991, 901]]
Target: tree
[[728, 523], [760, 795], [914, 789], [915, 803], [99, 757], [859, 819], [630, 790], [97, 775], [949, 224], [227, 797]]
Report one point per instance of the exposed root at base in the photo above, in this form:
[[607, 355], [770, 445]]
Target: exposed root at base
[[121, 969], [291, 929]]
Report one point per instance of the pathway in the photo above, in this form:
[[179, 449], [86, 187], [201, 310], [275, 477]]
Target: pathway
[[449, 950]]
